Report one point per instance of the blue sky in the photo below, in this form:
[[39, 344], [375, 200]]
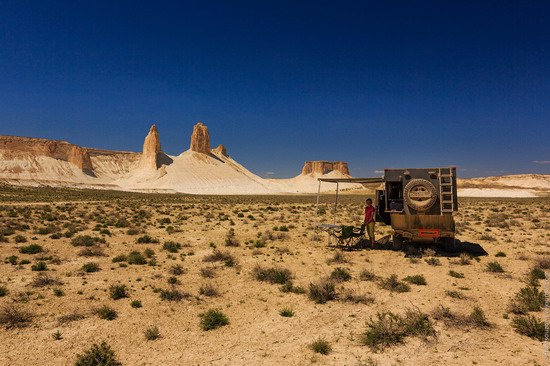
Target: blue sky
[[375, 83]]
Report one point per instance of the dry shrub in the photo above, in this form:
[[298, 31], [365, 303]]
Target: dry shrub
[[272, 274], [71, 317], [12, 316], [476, 319], [389, 328], [43, 280], [338, 257], [322, 291]]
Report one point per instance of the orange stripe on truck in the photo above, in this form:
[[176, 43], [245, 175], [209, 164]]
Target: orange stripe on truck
[[429, 233]]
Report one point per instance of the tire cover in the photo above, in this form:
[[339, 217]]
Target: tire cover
[[420, 194]]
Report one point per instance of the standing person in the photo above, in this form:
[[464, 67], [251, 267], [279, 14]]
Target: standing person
[[369, 220]]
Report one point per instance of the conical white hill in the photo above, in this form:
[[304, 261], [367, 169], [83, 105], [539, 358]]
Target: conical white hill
[[193, 172]]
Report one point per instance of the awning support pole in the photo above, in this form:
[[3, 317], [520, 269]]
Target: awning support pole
[[318, 194], [335, 205]]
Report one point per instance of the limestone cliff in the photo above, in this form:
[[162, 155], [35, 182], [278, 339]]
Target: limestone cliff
[[56, 149], [323, 167]]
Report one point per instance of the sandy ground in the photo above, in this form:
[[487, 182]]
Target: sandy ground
[[256, 333]]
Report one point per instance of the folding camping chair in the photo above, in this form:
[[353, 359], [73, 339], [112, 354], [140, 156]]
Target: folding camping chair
[[349, 236]]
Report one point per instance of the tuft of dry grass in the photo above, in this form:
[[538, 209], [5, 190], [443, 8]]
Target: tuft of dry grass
[[322, 291], [338, 257], [209, 290], [543, 263], [476, 319], [12, 316], [272, 274], [388, 328], [43, 280], [393, 284]]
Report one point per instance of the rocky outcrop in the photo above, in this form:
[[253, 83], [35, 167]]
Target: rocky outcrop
[[220, 150], [324, 167], [340, 166], [200, 139], [151, 150], [56, 149]]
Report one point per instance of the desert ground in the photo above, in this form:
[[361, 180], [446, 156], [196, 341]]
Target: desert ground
[[245, 280]]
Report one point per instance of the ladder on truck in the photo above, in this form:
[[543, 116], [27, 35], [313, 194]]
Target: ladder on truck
[[447, 190]]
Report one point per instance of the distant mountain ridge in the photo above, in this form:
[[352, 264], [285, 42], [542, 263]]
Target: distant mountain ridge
[[198, 170]]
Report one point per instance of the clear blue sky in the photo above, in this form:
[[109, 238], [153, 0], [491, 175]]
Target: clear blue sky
[[374, 83]]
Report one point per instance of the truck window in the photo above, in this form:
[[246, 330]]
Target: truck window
[[395, 196]]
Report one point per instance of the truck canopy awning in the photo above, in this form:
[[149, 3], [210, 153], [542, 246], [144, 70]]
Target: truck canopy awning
[[352, 180], [342, 180]]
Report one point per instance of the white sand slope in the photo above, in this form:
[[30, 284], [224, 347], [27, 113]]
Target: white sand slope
[[496, 192], [309, 183], [520, 185], [195, 173]]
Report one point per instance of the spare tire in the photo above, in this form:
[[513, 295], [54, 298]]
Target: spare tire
[[420, 194]]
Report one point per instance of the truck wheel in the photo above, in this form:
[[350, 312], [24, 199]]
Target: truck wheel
[[420, 194], [449, 245], [397, 242]]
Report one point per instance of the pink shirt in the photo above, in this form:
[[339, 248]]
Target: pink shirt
[[369, 214]]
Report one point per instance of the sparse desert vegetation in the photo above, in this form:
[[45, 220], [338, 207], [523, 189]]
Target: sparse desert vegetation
[[210, 271]]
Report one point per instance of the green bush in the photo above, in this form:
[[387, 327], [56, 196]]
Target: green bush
[[39, 266], [456, 274], [477, 317], [272, 274], [106, 312], [152, 333], [340, 274], [321, 346], [171, 246], [58, 292], [416, 280], [146, 239], [172, 295], [98, 355], [20, 239], [213, 319], [90, 267], [494, 267], [120, 258], [529, 326], [394, 285], [86, 241], [118, 292], [136, 304], [31, 249], [527, 299], [286, 312], [536, 274], [136, 258]]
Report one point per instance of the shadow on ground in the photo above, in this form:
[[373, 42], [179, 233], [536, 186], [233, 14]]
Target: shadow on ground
[[416, 249]]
